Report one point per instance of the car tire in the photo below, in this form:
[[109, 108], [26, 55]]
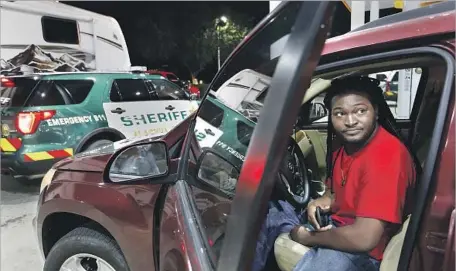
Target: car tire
[[27, 182], [96, 144], [85, 240]]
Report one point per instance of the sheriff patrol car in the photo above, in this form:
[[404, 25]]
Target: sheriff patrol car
[[48, 117]]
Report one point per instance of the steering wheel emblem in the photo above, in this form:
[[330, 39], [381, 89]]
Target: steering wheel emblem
[[290, 167]]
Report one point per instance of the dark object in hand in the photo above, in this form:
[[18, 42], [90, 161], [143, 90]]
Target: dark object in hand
[[323, 220]]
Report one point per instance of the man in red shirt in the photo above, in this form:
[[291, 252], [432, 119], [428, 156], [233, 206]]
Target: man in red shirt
[[372, 172]]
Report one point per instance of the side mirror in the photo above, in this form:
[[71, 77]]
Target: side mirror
[[218, 172], [139, 161]]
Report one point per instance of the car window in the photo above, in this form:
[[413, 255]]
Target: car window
[[46, 94], [16, 92], [76, 89], [129, 90], [172, 77], [399, 102], [166, 90], [399, 90], [212, 113], [226, 121], [318, 112]]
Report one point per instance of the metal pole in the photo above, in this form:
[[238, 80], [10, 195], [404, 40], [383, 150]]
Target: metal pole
[[218, 45], [374, 10], [357, 14], [218, 56]]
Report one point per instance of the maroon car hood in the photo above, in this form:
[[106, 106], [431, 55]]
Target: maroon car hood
[[96, 160]]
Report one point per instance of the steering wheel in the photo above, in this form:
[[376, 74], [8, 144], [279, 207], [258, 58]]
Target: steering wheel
[[293, 177]]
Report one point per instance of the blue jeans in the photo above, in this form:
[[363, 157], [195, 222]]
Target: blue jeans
[[282, 218]]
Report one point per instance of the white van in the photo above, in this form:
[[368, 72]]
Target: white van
[[47, 36]]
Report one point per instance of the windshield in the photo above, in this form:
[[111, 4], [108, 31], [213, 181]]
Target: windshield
[[228, 114]]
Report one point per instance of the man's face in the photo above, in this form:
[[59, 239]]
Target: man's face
[[353, 117]]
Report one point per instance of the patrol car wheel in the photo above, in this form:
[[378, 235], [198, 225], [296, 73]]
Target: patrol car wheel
[[85, 249], [97, 144], [27, 182]]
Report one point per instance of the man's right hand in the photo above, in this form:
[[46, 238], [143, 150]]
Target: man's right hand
[[324, 203]]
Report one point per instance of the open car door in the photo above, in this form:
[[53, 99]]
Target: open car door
[[291, 78]]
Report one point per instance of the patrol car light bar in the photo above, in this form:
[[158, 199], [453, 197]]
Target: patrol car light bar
[[28, 122]]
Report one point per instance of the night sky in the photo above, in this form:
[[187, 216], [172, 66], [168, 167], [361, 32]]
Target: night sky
[[182, 19], [184, 14]]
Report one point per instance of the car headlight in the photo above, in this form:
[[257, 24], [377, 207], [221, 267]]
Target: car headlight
[[47, 179]]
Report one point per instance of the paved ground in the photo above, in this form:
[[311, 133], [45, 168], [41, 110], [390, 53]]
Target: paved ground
[[19, 247]]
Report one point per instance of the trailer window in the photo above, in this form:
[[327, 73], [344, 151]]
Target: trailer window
[[58, 30]]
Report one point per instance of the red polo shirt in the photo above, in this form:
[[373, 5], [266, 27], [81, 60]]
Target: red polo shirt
[[376, 181]]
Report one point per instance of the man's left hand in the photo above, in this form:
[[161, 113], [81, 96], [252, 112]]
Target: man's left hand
[[302, 235]]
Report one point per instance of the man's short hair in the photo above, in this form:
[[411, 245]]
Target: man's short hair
[[361, 84]]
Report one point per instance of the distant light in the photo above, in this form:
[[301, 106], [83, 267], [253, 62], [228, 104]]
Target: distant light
[[224, 19]]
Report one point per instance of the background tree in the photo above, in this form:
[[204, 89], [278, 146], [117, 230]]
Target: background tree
[[203, 44]]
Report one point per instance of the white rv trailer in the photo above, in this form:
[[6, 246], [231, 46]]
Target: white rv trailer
[[37, 36]]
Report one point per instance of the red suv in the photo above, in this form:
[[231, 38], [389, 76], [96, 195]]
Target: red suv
[[195, 199]]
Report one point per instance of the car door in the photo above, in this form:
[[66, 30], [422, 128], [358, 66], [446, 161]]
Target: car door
[[200, 202], [135, 111], [254, 183]]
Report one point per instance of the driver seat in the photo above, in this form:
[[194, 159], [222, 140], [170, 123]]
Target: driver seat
[[288, 252]]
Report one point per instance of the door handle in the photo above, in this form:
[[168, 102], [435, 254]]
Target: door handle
[[209, 132], [170, 107], [448, 260], [118, 110]]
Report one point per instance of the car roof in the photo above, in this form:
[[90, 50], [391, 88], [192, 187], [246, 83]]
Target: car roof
[[405, 27], [73, 75], [158, 71], [409, 15]]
